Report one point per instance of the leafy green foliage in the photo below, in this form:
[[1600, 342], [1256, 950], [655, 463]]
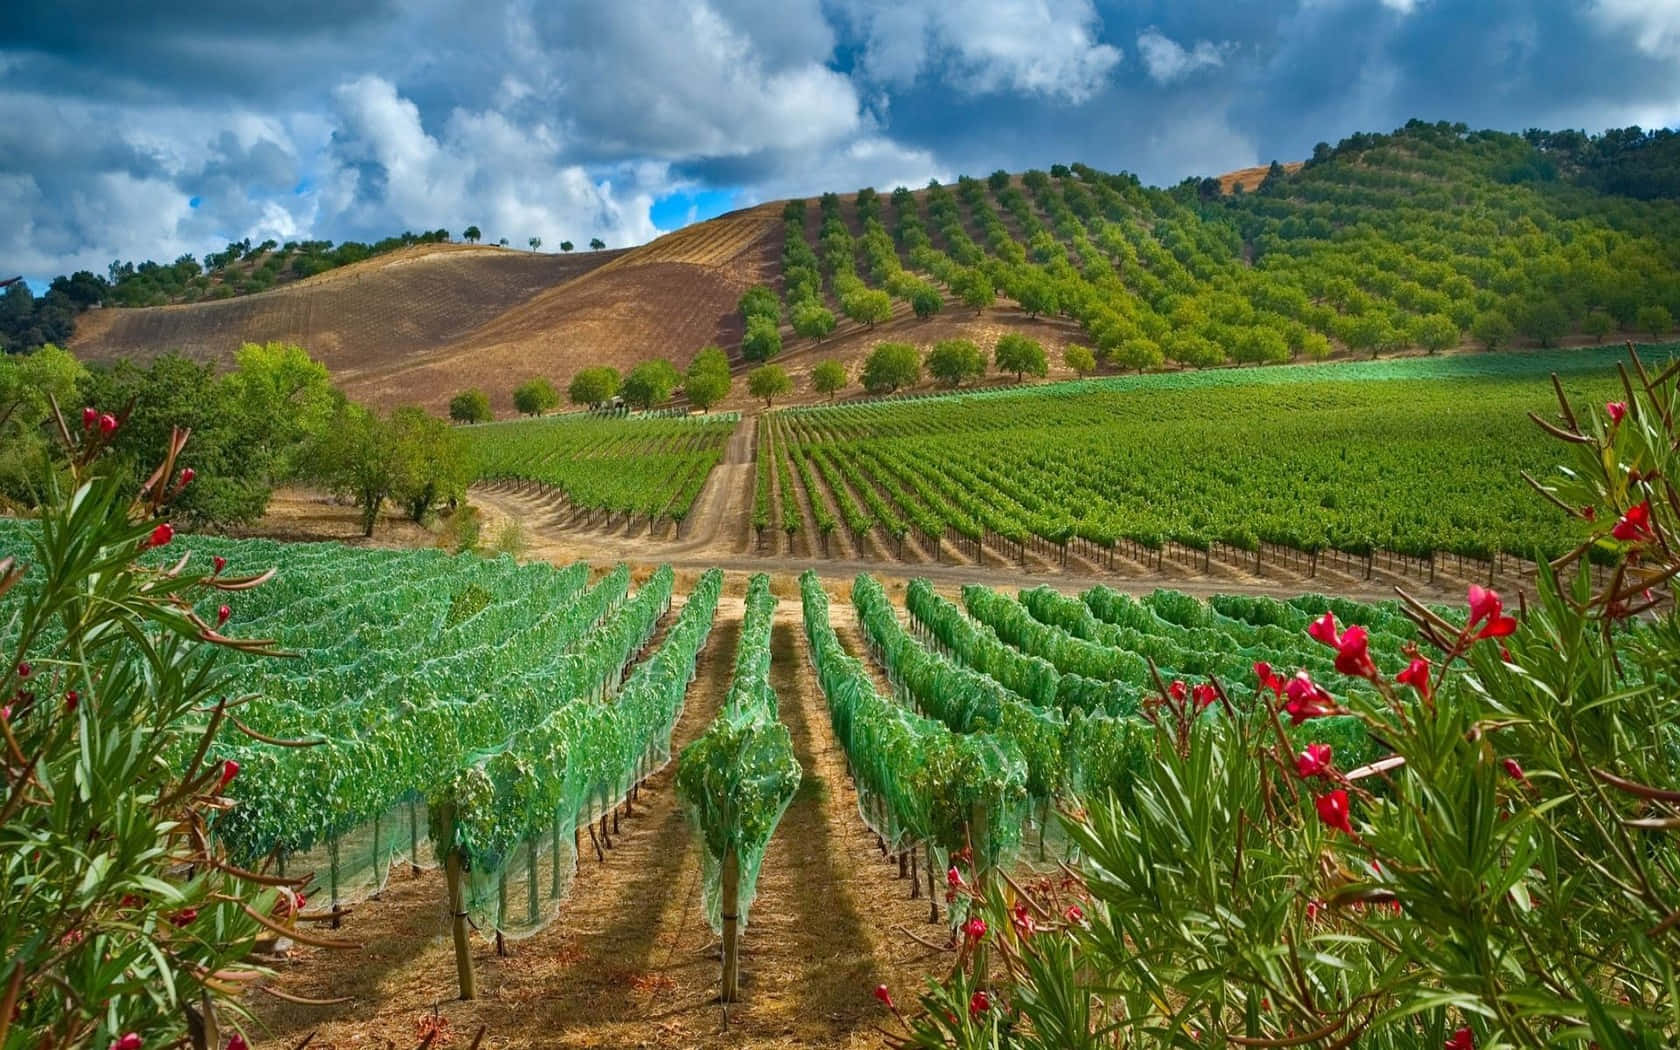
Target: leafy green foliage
[[951, 361], [890, 366], [829, 378], [1020, 354], [535, 396], [594, 386], [707, 380], [470, 406], [651, 383], [769, 382]]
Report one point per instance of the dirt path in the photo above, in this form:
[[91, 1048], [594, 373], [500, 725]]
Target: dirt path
[[564, 545], [631, 962]]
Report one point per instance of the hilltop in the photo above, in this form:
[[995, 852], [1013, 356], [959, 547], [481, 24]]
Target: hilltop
[[1430, 238]]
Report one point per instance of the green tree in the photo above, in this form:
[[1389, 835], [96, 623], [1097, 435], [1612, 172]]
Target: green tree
[[829, 378], [953, 360], [867, 306], [926, 301], [651, 383], [596, 244], [1080, 359], [974, 288], [471, 234], [594, 386], [1597, 324], [359, 460], [1037, 295], [470, 406], [1654, 319], [891, 366], [1434, 332], [763, 339], [1316, 346], [1545, 321], [812, 320], [535, 396], [760, 301], [1019, 354], [707, 381], [433, 467], [29, 384], [535, 243], [1492, 329], [1139, 354], [566, 246], [769, 382], [287, 401]]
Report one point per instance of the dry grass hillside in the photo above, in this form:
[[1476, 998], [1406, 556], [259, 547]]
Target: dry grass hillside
[[362, 317]]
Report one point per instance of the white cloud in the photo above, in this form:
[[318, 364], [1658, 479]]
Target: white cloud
[[1404, 7], [1167, 60], [1050, 48], [1654, 24]]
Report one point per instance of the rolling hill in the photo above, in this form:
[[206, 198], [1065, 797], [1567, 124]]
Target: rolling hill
[[1428, 238]]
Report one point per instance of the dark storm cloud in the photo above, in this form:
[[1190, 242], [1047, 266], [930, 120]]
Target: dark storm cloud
[[568, 118]]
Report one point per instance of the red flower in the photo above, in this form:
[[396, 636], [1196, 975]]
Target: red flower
[[1461, 1040], [161, 535], [222, 615], [24, 670], [1416, 675], [1268, 680], [1333, 811], [979, 1004], [1486, 605], [184, 916], [953, 877], [1306, 700], [6, 713], [1204, 695], [1177, 690], [129, 1041], [187, 475], [1073, 915], [1590, 513], [1514, 769], [107, 424], [1635, 525], [1313, 762], [219, 562], [230, 769], [71, 699], [1023, 921], [1313, 910], [1353, 656], [884, 996], [90, 416], [1615, 410], [974, 929], [237, 1042], [1323, 630]]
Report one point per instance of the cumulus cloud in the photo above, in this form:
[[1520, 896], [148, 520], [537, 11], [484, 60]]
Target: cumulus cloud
[[1167, 60], [1654, 24], [1041, 47]]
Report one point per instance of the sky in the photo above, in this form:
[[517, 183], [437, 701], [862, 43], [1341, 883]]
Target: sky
[[148, 130]]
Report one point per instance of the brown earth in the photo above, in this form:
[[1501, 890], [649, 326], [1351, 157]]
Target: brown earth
[[1250, 178]]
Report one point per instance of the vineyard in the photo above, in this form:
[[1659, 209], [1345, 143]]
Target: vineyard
[[606, 468], [1281, 466]]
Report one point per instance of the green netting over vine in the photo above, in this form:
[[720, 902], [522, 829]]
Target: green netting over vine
[[514, 813], [738, 778]]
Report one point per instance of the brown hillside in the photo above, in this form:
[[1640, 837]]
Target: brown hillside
[[367, 315], [668, 298], [1250, 178]]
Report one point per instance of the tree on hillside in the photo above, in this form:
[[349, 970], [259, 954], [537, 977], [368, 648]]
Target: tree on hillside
[[471, 234], [1139, 354], [953, 360], [650, 383], [503, 242], [1597, 324], [596, 244], [1080, 359], [763, 339], [29, 383], [412, 457], [998, 180], [707, 380], [812, 320], [1434, 332], [535, 243], [1654, 319], [1016, 353], [769, 382], [926, 301], [1545, 321], [760, 301], [594, 386], [566, 246], [974, 288], [535, 396], [470, 406], [867, 306], [1492, 329], [286, 401], [1037, 295], [829, 378], [891, 366]]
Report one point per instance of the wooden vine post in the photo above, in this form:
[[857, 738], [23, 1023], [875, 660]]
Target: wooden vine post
[[731, 926], [457, 907]]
